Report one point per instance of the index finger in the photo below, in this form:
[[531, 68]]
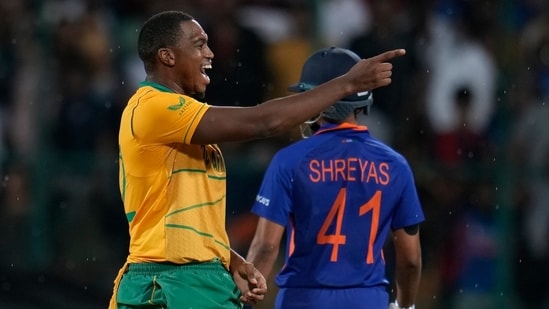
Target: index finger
[[388, 55]]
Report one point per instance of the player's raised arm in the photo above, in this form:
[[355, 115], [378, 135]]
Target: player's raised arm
[[279, 115]]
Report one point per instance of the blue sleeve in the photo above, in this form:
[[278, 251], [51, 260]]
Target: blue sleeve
[[408, 211], [273, 201]]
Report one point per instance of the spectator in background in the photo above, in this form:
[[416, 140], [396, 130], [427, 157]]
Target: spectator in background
[[239, 76], [7, 71], [460, 100], [286, 54], [82, 121], [340, 20], [394, 23], [454, 58], [529, 149], [20, 68], [461, 146], [19, 75], [469, 261]]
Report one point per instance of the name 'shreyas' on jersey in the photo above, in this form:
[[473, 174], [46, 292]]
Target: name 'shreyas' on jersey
[[343, 169]]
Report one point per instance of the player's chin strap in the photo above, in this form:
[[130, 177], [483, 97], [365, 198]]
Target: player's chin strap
[[308, 127], [395, 305]]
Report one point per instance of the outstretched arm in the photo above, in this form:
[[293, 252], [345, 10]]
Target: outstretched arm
[[226, 124], [408, 265]]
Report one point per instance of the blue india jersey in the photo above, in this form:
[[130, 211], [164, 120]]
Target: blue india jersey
[[338, 193]]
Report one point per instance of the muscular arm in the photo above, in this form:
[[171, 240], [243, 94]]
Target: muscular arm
[[265, 245], [227, 124], [408, 266]]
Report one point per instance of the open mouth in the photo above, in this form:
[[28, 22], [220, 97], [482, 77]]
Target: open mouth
[[203, 69]]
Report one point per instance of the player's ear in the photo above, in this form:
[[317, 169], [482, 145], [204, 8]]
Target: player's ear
[[166, 56]]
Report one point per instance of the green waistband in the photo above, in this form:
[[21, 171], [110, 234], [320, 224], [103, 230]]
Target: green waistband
[[161, 267]]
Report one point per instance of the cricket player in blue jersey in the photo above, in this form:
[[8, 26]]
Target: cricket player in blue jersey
[[338, 195]]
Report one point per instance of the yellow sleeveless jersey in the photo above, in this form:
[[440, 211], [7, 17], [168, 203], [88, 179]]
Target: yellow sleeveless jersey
[[173, 192]]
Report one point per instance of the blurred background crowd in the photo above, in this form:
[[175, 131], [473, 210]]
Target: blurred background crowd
[[467, 107]]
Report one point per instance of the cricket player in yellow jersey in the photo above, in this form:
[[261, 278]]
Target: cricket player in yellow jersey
[[172, 174]]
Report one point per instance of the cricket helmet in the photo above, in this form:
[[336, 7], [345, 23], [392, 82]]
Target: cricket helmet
[[324, 65]]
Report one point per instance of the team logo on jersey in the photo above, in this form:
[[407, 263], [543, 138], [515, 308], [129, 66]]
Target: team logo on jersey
[[213, 159], [262, 200], [178, 105]]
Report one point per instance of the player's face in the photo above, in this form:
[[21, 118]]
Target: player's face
[[193, 57]]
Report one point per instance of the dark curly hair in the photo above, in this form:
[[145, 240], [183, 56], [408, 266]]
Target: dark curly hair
[[160, 30]]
